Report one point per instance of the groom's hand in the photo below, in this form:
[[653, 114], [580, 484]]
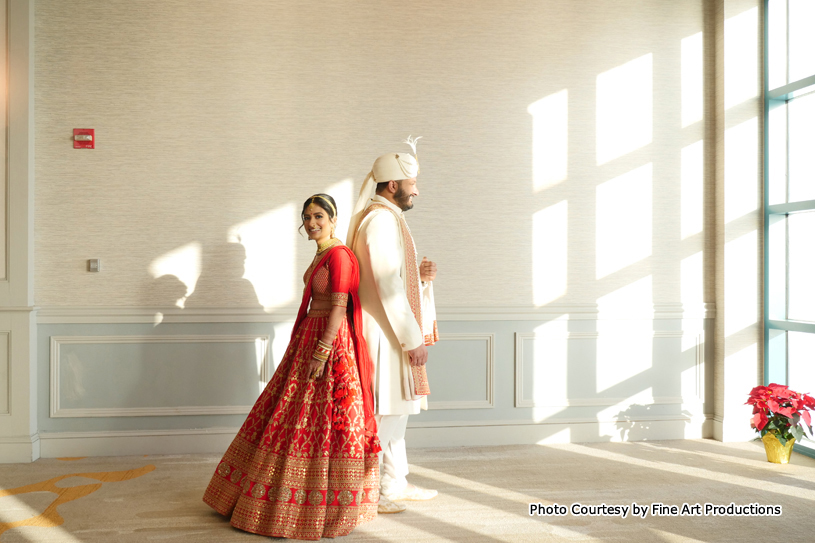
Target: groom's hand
[[427, 270], [418, 356]]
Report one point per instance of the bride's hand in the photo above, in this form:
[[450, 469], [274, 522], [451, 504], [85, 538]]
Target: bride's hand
[[315, 368]]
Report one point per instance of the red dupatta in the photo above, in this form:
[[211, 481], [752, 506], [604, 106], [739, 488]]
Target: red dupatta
[[341, 271]]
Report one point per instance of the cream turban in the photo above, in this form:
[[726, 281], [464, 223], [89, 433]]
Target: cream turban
[[394, 167], [388, 167]]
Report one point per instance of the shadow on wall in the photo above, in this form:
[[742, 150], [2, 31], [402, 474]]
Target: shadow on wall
[[192, 275], [635, 423]]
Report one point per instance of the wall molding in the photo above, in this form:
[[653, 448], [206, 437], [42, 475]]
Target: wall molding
[[153, 315], [696, 398], [489, 401], [57, 411], [428, 434]]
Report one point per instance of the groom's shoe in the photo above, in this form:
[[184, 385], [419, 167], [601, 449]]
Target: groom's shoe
[[413, 493], [387, 507]]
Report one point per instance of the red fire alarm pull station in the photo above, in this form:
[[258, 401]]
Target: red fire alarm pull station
[[84, 138]]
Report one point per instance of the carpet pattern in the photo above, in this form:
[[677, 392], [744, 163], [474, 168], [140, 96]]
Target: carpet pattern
[[484, 496]]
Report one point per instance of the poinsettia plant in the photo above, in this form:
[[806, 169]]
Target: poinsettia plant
[[780, 411]]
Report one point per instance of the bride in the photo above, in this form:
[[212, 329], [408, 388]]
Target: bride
[[304, 464]]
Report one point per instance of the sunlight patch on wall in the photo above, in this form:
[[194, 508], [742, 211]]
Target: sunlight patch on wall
[[550, 139], [624, 208], [692, 187], [777, 43], [742, 376], [342, 193], [741, 284], [624, 109], [183, 263], [741, 160], [624, 349], [691, 379], [550, 253], [551, 361], [260, 353], [692, 80], [269, 240], [280, 341], [741, 58], [692, 280], [632, 300], [802, 39]]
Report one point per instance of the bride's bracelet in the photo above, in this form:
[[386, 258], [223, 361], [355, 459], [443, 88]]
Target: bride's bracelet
[[319, 356], [322, 350]]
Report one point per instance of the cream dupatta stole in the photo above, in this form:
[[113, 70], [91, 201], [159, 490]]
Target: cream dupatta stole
[[421, 302]]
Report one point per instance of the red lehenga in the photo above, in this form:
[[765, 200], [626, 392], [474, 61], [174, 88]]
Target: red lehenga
[[304, 465]]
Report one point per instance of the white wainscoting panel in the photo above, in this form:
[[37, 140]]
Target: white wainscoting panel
[[69, 369], [542, 367], [460, 371]]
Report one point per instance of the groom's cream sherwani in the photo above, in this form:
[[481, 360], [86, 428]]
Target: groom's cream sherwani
[[390, 327]]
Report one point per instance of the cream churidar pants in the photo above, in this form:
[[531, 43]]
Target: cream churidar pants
[[393, 464]]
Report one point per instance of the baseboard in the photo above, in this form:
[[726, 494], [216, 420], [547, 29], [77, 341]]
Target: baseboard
[[735, 432], [804, 449], [550, 433], [133, 442], [19, 450]]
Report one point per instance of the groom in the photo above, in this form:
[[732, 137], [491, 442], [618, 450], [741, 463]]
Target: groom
[[396, 294]]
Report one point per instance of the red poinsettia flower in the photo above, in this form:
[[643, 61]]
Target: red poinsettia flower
[[786, 411], [779, 410], [780, 391]]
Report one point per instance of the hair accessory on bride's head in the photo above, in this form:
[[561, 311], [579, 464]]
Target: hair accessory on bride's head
[[326, 200]]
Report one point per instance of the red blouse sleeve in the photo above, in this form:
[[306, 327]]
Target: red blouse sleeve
[[342, 277]]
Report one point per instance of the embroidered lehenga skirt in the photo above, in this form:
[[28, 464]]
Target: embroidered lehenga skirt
[[301, 466]]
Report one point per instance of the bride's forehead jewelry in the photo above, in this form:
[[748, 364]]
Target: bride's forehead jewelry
[[326, 200]]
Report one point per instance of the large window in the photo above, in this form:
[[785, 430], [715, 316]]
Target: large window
[[789, 175]]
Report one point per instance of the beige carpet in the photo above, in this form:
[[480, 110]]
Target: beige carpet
[[484, 495]]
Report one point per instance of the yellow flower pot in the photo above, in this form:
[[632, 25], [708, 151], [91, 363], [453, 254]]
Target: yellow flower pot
[[777, 453]]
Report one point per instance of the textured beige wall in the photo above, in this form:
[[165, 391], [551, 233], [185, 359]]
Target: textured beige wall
[[211, 114], [4, 242]]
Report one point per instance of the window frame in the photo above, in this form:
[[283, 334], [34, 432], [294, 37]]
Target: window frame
[[777, 325]]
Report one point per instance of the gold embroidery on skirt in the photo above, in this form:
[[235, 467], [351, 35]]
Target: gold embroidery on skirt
[[258, 491], [346, 498], [315, 497], [284, 495]]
